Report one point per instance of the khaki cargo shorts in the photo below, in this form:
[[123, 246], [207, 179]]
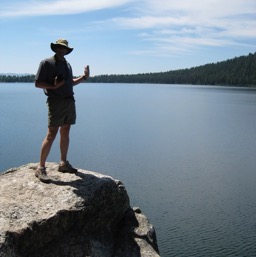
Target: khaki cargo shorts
[[61, 111]]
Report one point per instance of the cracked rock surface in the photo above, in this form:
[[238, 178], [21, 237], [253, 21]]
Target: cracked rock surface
[[86, 214]]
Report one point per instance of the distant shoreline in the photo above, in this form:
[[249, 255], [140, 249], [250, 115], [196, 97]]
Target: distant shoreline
[[239, 71]]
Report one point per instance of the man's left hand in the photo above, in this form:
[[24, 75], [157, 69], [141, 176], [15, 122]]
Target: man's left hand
[[87, 71]]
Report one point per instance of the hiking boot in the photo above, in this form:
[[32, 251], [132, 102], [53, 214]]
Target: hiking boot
[[41, 175], [66, 168]]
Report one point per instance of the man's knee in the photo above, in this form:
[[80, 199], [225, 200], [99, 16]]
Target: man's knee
[[52, 132], [64, 130]]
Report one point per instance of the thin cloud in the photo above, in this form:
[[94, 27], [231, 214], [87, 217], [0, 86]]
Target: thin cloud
[[168, 27], [149, 22], [169, 43], [202, 8], [61, 7], [191, 24]]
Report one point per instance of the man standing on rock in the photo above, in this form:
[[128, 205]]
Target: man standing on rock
[[55, 76]]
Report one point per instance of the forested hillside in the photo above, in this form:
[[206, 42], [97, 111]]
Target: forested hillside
[[17, 78], [239, 71]]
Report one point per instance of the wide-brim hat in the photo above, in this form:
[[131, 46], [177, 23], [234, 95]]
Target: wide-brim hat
[[61, 42]]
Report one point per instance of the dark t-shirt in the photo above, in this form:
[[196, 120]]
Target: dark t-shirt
[[52, 67]]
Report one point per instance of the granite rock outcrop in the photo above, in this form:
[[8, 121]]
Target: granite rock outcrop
[[86, 214]]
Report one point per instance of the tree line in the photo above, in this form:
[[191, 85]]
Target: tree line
[[239, 71], [17, 78]]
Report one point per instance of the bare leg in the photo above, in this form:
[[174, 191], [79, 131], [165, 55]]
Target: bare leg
[[47, 144], [64, 142]]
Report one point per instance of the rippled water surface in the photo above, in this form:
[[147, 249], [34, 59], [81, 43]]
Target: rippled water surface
[[185, 154]]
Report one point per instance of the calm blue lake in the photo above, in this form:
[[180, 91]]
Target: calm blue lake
[[186, 155]]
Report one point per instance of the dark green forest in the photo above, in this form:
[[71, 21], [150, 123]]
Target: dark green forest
[[239, 71], [17, 78]]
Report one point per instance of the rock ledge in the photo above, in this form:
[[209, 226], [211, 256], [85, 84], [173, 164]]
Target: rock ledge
[[87, 214]]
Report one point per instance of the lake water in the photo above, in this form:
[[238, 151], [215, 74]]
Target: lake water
[[185, 154]]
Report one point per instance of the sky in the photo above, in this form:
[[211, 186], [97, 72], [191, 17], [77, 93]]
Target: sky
[[126, 36]]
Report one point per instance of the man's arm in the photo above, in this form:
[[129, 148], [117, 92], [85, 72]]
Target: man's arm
[[45, 85]]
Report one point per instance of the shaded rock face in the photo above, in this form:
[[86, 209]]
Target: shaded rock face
[[86, 214]]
